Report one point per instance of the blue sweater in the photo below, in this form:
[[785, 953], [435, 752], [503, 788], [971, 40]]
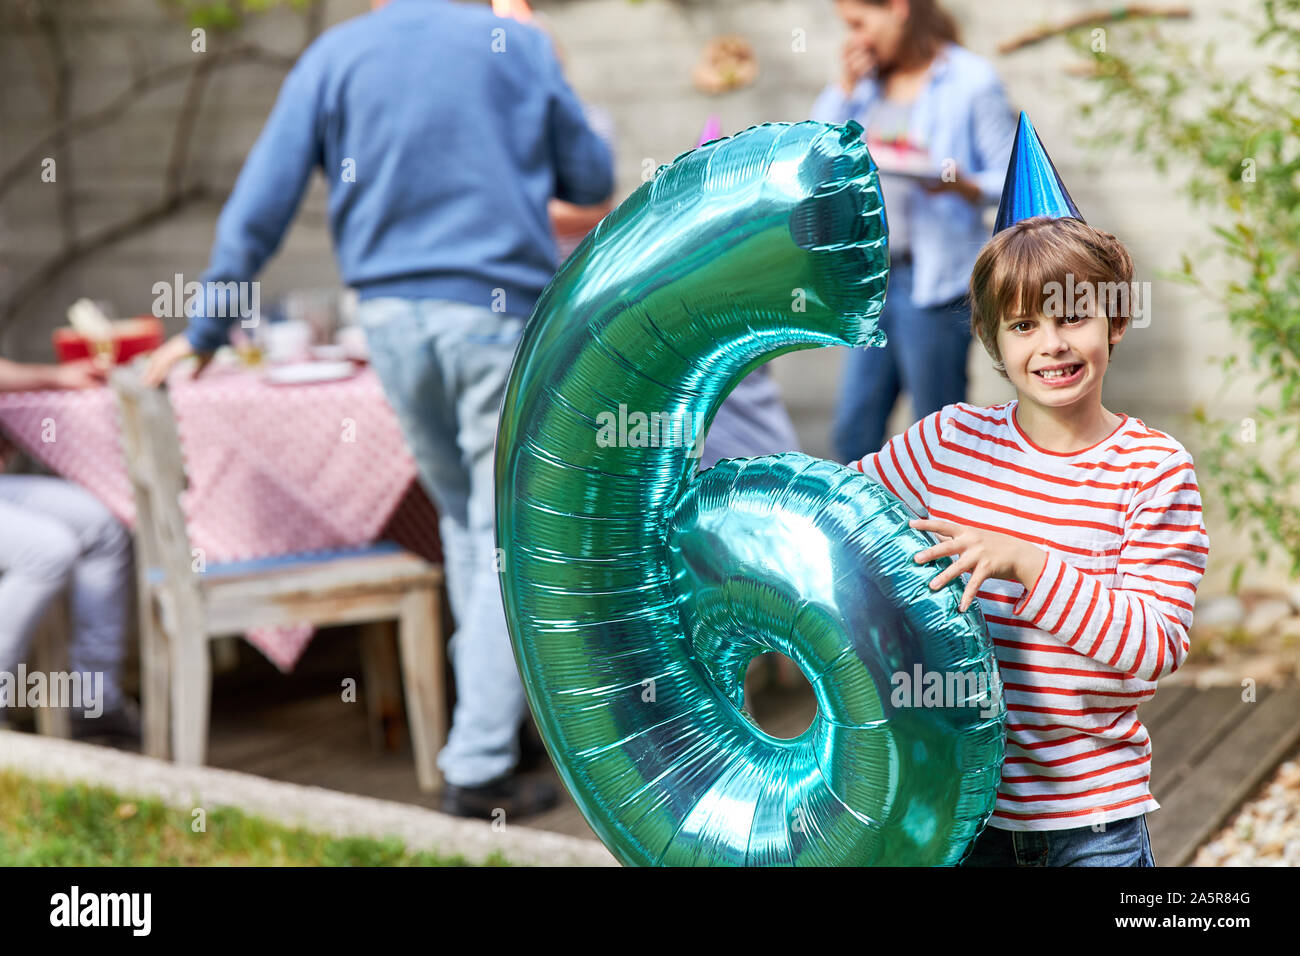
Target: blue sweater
[[442, 131]]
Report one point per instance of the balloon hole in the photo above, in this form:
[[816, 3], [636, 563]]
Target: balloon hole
[[778, 698]]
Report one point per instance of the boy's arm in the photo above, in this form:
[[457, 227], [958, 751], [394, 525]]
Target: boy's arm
[[1140, 627], [898, 466]]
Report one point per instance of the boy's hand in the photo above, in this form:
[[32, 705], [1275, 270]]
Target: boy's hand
[[985, 554]]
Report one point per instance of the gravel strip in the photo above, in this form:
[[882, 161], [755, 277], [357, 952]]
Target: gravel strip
[[1266, 830]]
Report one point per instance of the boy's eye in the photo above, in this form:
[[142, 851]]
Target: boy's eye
[[1022, 326], [1073, 319]]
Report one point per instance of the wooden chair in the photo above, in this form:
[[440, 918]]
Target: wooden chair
[[181, 609]]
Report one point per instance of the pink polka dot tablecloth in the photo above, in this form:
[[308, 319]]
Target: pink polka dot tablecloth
[[272, 469]]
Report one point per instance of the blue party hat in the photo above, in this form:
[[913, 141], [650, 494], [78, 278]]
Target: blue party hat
[[1033, 186]]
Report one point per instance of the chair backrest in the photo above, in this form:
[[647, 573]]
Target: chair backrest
[[151, 446]]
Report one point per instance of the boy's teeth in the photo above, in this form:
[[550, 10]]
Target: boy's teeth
[[1058, 372]]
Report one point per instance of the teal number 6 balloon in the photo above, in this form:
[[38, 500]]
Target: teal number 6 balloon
[[637, 588]]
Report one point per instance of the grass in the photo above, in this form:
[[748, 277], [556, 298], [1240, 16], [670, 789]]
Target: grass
[[54, 824]]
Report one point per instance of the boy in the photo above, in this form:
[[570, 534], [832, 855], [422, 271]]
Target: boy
[[1081, 531]]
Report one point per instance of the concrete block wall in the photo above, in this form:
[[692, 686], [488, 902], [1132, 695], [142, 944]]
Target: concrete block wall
[[635, 60]]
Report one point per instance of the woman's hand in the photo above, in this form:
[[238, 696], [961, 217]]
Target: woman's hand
[[858, 63], [985, 554], [959, 185], [167, 355]]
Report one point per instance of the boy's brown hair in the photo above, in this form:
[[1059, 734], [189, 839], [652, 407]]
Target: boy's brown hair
[[1015, 269]]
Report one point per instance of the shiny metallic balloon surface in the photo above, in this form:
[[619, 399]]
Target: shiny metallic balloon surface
[[637, 589]]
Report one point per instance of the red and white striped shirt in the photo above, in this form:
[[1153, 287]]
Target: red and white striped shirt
[[1109, 614]]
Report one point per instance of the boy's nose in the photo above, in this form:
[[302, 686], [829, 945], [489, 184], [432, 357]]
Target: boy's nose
[[1053, 341]]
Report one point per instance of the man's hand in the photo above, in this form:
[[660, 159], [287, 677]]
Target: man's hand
[[85, 373], [569, 221], [985, 554], [858, 63], [167, 355]]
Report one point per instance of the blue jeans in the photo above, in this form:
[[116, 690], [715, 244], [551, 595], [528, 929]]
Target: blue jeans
[[444, 366], [56, 535], [925, 355], [1119, 843]]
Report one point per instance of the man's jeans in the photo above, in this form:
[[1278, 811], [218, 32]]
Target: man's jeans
[[444, 366], [1118, 843], [55, 535], [925, 356]]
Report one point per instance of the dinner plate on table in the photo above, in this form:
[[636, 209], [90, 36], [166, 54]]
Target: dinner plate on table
[[306, 373]]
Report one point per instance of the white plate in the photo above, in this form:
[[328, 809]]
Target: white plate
[[304, 373], [916, 175], [907, 163]]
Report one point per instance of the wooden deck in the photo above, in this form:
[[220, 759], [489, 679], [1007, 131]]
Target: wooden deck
[[1211, 749]]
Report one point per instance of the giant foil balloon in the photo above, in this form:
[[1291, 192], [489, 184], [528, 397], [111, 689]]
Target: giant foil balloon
[[638, 589]]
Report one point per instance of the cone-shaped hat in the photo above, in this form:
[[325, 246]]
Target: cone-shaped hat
[[1033, 186]]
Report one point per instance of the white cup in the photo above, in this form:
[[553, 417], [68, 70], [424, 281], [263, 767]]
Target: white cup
[[353, 340], [288, 341]]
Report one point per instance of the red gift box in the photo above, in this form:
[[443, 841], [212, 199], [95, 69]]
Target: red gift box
[[131, 337]]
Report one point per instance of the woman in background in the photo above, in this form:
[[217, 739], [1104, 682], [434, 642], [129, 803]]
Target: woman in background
[[938, 123]]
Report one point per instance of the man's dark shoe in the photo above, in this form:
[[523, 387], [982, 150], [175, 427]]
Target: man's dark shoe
[[532, 752], [512, 795], [119, 727], [20, 719]]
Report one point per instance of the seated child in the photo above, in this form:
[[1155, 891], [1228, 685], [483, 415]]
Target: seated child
[[1081, 532]]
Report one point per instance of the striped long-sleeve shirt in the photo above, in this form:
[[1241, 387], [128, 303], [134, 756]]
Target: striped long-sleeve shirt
[[1109, 614]]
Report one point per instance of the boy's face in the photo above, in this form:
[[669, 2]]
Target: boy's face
[[1056, 362]]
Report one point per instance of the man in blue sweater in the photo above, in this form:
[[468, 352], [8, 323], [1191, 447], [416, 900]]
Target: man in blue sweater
[[443, 132]]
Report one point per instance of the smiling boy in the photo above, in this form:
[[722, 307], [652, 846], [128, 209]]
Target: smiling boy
[[1081, 532]]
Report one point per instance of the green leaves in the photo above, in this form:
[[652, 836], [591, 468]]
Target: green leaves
[[226, 15], [1237, 139]]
